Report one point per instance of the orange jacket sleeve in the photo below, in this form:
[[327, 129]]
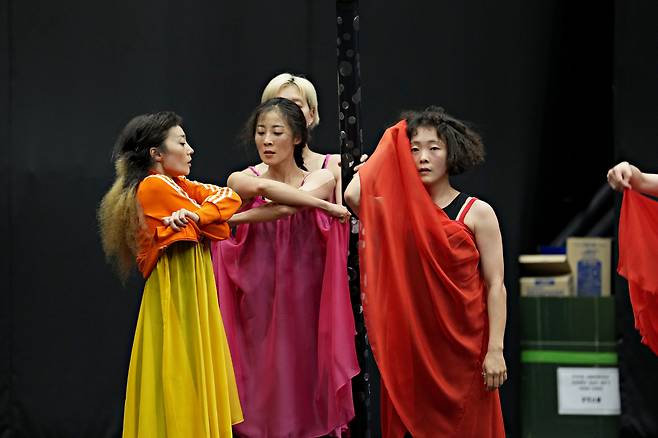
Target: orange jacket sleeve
[[215, 206], [159, 196]]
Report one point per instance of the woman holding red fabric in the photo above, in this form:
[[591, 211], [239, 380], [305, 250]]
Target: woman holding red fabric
[[638, 245], [432, 279]]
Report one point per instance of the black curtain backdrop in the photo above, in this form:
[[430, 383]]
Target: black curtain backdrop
[[534, 77], [636, 140]]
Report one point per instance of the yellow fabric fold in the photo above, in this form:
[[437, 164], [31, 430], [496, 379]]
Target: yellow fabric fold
[[181, 382]]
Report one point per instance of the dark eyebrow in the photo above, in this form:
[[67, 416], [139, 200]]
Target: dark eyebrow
[[273, 126], [426, 141]]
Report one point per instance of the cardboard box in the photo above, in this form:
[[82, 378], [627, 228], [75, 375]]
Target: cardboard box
[[589, 259], [557, 286], [545, 275]]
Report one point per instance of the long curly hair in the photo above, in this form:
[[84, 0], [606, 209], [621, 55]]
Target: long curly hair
[[119, 215]]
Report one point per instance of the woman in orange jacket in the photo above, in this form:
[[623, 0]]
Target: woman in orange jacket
[[180, 381]]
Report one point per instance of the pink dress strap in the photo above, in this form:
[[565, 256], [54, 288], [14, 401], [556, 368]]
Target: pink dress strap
[[253, 169], [326, 161], [466, 208]]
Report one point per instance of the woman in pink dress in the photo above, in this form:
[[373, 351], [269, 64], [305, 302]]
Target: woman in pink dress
[[283, 289]]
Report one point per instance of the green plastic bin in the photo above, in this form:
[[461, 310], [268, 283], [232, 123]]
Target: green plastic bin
[[563, 332]]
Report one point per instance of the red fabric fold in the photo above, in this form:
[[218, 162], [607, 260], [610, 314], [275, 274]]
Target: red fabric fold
[[424, 303], [638, 261]]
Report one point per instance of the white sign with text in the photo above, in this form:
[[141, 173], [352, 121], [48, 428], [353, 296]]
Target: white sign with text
[[588, 391]]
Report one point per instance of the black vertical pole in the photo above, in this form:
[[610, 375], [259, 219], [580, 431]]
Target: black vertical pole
[[351, 138], [349, 85]]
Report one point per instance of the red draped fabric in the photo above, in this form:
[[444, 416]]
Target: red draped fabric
[[424, 303], [638, 261]]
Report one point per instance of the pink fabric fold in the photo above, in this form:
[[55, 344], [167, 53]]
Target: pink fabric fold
[[284, 297]]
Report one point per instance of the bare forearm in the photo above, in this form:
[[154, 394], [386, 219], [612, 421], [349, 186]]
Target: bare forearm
[[353, 194], [265, 213], [353, 203], [249, 187], [497, 311], [336, 171], [285, 194], [338, 192], [644, 182]]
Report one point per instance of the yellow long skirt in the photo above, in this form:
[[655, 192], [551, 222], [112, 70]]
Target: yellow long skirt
[[181, 382]]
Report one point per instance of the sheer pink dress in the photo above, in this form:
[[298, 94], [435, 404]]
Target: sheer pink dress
[[284, 298]]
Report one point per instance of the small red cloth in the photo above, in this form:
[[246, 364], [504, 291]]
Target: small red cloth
[[638, 261], [424, 303]]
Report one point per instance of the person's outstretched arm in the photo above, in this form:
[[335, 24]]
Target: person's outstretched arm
[[317, 188], [626, 176]]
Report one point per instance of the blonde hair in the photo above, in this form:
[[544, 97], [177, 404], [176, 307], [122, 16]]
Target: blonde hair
[[304, 86], [119, 220]]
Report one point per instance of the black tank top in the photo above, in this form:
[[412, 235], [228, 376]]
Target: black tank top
[[452, 210]]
